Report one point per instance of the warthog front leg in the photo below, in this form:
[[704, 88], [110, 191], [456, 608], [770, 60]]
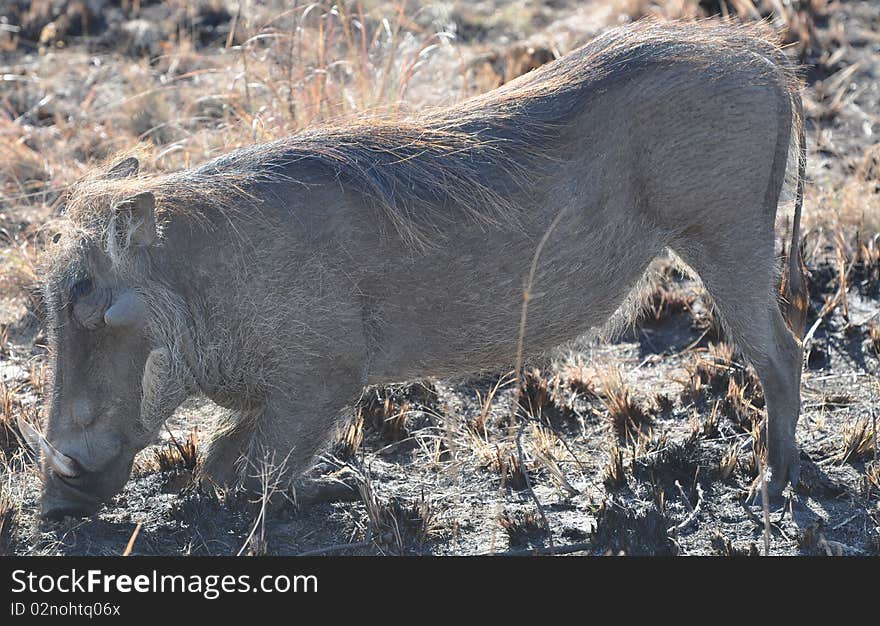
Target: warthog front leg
[[222, 460], [277, 443]]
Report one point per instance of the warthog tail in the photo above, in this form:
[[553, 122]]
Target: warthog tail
[[794, 287]]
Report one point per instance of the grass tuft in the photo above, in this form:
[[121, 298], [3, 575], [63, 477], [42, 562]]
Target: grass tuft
[[625, 415], [667, 461], [9, 508], [178, 456], [614, 475], [397, 525], [536, 394], [859, 441], [523, 528]]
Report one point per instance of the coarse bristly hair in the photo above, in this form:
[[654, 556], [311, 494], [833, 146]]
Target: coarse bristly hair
[[466, 161]]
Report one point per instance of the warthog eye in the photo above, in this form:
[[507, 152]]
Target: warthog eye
[[80, 289]]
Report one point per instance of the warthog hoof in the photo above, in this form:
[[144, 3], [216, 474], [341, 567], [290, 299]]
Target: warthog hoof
[[777, 481], [316, 490]]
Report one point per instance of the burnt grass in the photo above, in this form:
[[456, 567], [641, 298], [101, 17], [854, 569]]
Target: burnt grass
[[646, 444]]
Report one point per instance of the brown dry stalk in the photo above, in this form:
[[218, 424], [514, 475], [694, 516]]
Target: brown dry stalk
[[527, 294], [131, 540]]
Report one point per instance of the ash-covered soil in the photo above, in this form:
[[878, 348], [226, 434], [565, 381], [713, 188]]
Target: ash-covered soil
[[647, 444]]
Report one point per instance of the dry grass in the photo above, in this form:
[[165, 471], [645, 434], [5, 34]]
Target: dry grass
[[667, 301], [286, 67], [579, 377], [535, 392], [795, 21], [505, 462], [178, 455], [742, 404], [349, 441], [865, 272], [843, 213], [758, 458], [724, 547], [729, 458], [542, 396], [549, 451], [9, 508], [708, 375], [383, 411], [614, 474], [874, 337], [625, 415], [479, 424], [18, 272], [736, 391], [8, 512], [665, 462], [396, 525], [522, 528], [710, 426], [14, 406], [871, 483], [859, 441]]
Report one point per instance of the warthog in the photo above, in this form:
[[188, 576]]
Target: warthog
[[281, 279]]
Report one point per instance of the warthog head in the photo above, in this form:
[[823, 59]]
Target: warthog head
[[111, 388]]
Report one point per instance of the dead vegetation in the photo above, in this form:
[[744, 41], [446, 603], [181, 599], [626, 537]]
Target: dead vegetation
[[522, 528], [386, 412], [614, 476], [859, 441], [537, 392], [625, 415], [504, 462], [395, 525], [666, 301], [668, 461], [625, 530], [715, 378], [8, 510], [177, 456], [193, 80], [349, 441], [14, 406], [724, 547], [871, 482]]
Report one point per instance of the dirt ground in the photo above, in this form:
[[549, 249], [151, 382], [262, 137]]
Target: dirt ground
[[646, 444]]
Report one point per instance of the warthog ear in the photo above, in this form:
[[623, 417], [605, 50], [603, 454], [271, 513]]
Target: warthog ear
[[137, 216], [126, 168], [127, 310]]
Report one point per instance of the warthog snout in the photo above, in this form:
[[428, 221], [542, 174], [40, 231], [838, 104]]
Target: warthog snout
[[74, 487], [70, 490], [63, 496]]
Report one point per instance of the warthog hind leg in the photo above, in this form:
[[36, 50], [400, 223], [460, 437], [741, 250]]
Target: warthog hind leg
[[741, 283]]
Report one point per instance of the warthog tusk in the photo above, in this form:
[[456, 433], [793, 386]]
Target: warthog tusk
[[58, 461], [36, 441], [31, 435]]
